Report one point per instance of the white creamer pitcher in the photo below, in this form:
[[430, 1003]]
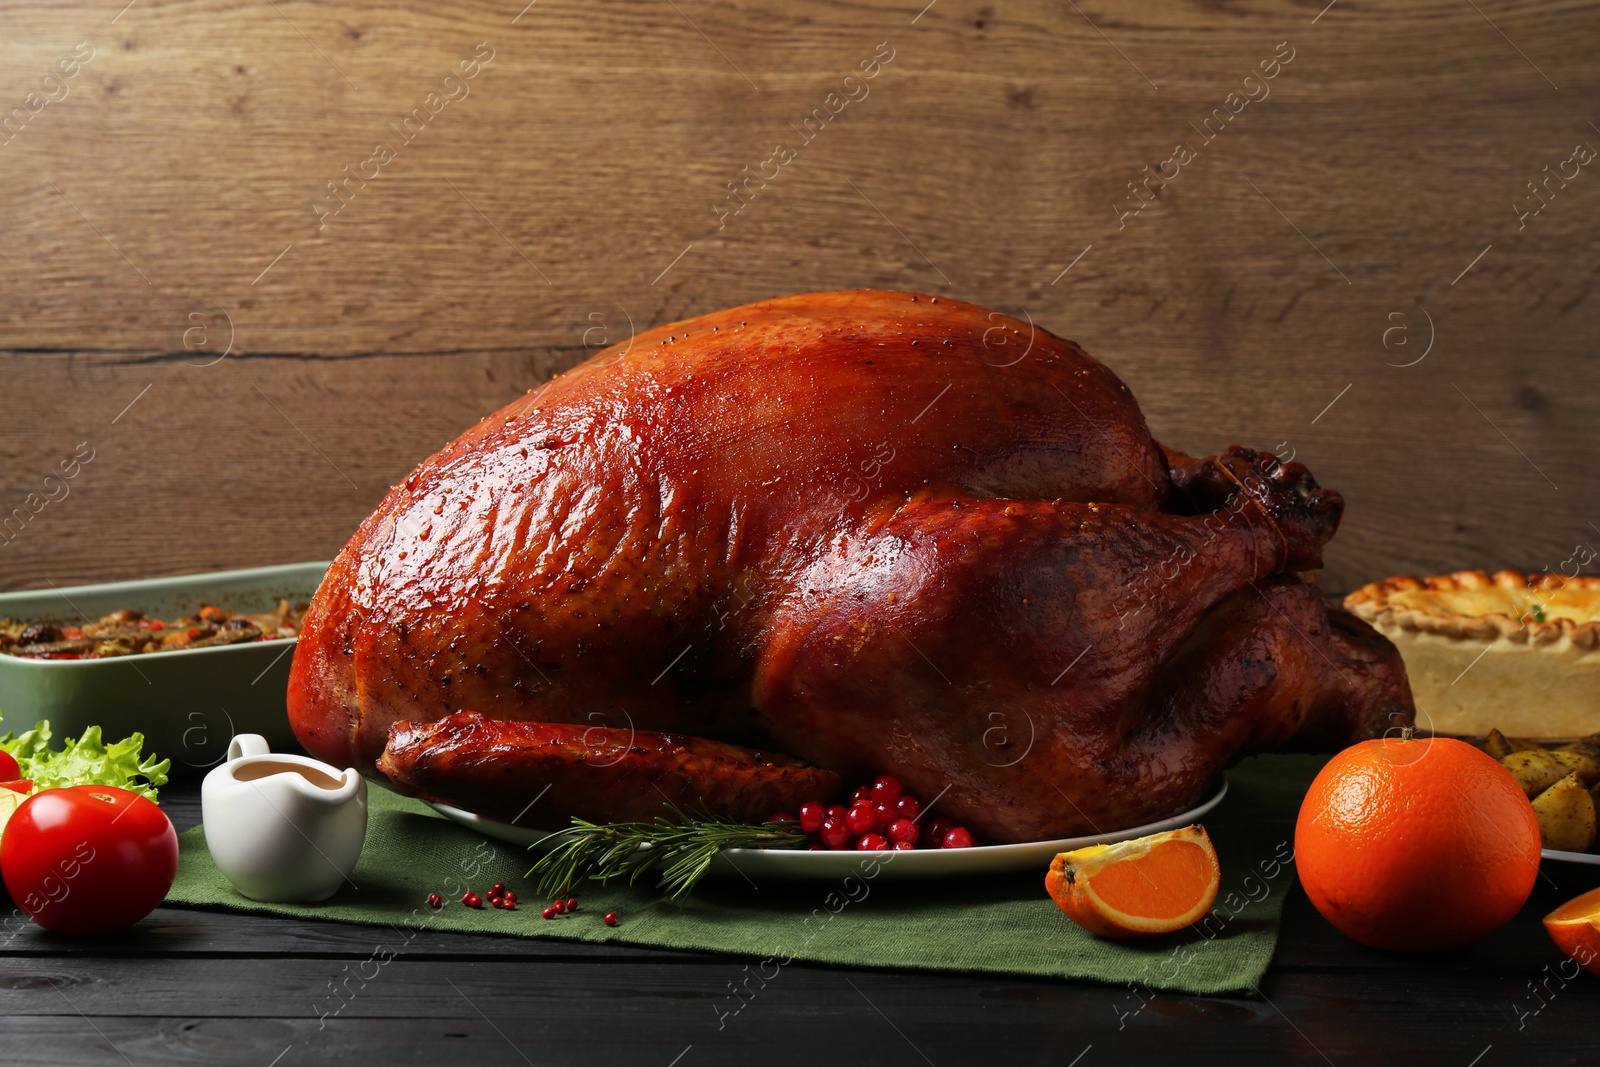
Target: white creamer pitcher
[[283, 828]]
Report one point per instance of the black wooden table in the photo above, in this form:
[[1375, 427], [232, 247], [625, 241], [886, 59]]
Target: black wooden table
[[196, 987]]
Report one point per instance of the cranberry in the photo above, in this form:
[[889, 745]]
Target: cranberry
[[884, 814], [498, 889], [904, 831], [872, 843], [572, 903], [560, 906], [834, 834], [611, 918], [908, 806], [509, 905], [935, 830], [903, 846], [836, 812], [886, 790], [435, 900], [811, 815], [860, 819], [472, 900], [509, 897], [496, 902], [957, 838], [862, 795], [816, 846], [548, 913]]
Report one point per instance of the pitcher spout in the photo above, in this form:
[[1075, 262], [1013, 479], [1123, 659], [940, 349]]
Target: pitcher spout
[[348, 786]]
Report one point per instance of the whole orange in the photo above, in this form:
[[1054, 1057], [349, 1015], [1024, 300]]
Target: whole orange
[[1416, 844]]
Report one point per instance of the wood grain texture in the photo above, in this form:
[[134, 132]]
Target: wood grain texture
[[573, 189], [499, 1010], [192, 987]]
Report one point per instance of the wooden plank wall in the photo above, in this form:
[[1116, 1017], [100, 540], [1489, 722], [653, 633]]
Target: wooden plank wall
[[1344, 263]]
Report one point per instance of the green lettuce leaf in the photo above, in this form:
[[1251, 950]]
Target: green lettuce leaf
[[86, 761]]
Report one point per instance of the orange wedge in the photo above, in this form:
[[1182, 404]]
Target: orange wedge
[[1140, 888], [1575, 928]]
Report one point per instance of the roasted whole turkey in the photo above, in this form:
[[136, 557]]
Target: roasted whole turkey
[[741, 558]]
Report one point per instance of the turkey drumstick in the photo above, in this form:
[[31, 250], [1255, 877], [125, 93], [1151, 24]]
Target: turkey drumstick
[[1055, 669]]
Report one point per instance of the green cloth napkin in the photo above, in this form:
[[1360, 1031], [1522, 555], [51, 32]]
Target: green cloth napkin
[[996, 924]]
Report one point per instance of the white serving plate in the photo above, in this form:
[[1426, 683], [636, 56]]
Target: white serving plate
[[784, 863], [1587, 858]]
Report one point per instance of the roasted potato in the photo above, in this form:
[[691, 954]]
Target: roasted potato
[[1566, 816], [1584, 762], [1497, 745], [1535, 769], [1583, 757]]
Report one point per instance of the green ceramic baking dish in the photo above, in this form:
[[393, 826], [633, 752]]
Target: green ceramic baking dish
[[187, 703]]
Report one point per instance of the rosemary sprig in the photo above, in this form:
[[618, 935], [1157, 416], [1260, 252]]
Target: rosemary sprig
[[681, 846]]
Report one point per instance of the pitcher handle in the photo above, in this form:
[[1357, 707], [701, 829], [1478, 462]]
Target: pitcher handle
[[247, 745]]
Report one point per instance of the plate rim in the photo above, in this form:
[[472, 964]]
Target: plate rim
[[976, 854], [1588, 859]]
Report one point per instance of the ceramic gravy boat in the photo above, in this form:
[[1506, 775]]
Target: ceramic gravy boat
[[283, 828]]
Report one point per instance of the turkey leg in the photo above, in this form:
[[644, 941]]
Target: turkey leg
[[1008, 654]]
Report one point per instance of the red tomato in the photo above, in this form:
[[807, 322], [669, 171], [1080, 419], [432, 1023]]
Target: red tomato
[[88, 859], [8, 767], [18, 785]]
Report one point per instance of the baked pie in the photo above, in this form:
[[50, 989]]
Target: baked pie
[[1511, 651]]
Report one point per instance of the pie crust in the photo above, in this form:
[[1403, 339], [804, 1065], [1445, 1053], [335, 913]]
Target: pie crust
[[1508, 651]]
